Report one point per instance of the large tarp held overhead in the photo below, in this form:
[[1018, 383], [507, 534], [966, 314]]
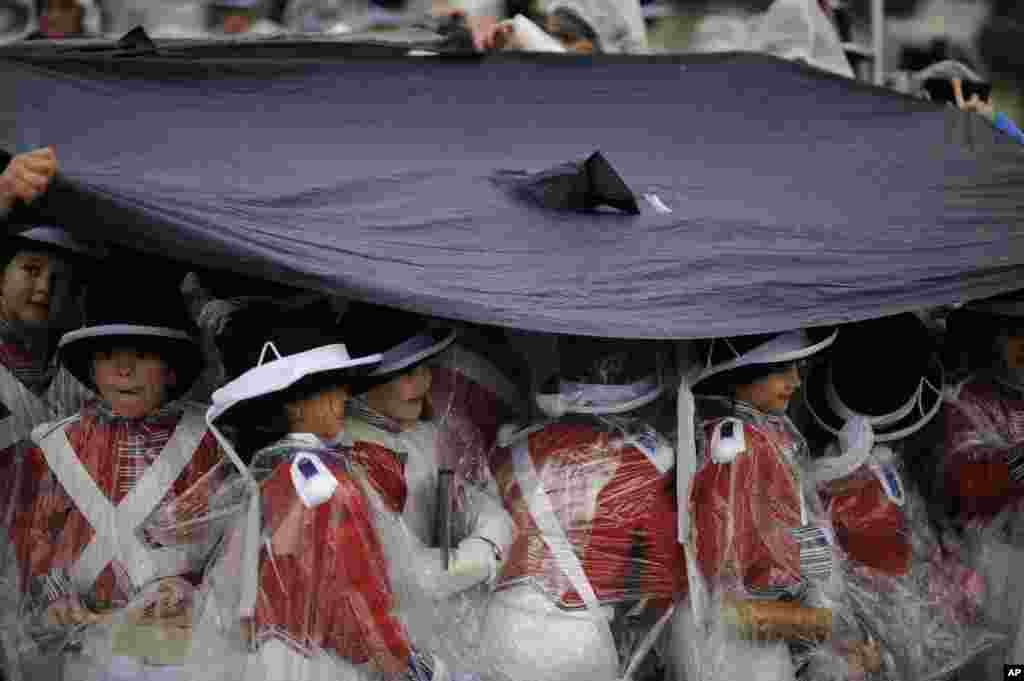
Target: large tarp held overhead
[[770, 194]]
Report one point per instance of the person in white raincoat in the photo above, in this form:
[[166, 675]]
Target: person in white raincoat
[[798, 30]]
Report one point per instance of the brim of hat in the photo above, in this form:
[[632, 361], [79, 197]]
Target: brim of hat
[[280, 374], [787, 347], [416, 350], [815, 393], [548, 400], [179, 350], [55, 239]]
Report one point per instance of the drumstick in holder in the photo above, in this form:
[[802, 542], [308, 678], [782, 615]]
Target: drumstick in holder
[[444, 515], [778, 620]]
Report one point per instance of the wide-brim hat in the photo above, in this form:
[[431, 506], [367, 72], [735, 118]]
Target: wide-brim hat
[[724, 355], [284, 348], [603, 376], [404, 339], [54, 239], [157, 320], [885, 370]]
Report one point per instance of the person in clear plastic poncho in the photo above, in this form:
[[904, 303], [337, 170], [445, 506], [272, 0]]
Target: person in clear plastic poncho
[[112, 521], [417, 435], [798, 30], [765, 594], [595, 569], [312, 580], [37, 300], [874, 395], [982, 471]]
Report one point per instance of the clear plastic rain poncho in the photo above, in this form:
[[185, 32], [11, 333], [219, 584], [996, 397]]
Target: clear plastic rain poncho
[[769, 594], [982, 481], [912, 588], [446, 531], [797, 30], [591, 579], [353, 583], [113, 523]]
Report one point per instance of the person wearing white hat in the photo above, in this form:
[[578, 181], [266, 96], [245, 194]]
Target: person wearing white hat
[[426, 453], [982, 470], [877, 391], [308, 572], [760, 551], [595, 570], [112, 528]]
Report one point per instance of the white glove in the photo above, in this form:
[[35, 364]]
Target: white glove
[[424, 570], [474, 558]]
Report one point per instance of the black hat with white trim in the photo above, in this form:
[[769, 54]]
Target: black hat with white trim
[[156, 321], [404, 339], [50, 239], [731, 362], [886, 370], [603, 376], [285, 351], [742, 359]]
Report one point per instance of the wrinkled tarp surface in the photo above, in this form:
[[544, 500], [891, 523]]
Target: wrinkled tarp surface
[[796, 197]]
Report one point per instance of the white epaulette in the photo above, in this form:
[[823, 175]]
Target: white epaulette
[[727, 441], [43, 430]]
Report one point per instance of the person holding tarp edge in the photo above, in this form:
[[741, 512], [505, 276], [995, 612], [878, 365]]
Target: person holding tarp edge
[[25, 178]]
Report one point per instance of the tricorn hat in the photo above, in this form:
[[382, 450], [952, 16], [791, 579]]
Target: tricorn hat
[[886, 370], [157, 320]]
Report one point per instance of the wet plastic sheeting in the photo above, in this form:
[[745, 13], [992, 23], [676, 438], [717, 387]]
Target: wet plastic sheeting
[[113, 524]]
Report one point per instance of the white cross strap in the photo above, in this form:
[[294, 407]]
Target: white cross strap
[[26, 409], [554, 535], [116, 527]]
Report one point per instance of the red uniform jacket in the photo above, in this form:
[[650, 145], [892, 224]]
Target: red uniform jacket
[[51, 532], [869, 526], [745, 509], [617, 509], [984, 429], [323, 579]]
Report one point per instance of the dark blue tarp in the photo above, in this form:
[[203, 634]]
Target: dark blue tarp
[[797, 197]]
